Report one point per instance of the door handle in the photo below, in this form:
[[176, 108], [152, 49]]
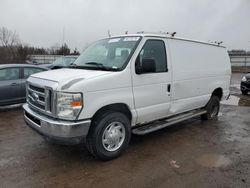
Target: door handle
[[169, 88], [13, 84]]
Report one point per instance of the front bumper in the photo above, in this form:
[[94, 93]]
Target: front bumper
[[245, 86], [65, 132]]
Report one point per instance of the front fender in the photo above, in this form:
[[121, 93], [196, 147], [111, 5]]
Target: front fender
[[93, 101]]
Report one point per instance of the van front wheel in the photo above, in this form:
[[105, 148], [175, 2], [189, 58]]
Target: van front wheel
[[213, 108], [109, 135]]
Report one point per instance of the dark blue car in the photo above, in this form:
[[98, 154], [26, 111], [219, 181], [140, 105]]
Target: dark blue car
[[12, 82], [245, 84]]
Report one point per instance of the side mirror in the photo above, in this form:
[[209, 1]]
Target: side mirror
[[147, 66]]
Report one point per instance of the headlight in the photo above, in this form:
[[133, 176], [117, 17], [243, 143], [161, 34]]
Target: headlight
[[244, 79], [69, 105]]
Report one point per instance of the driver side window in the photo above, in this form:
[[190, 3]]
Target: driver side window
[[29, 71], [155, 50], [9, 74]]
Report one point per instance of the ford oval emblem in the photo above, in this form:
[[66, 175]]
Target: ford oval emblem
[[35, 96]]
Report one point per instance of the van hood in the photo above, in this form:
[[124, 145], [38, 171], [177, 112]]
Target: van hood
[[61, 75]]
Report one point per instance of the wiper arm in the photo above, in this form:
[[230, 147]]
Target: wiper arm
[[100, 65], [77, 66], [97, 66], [95, 63]]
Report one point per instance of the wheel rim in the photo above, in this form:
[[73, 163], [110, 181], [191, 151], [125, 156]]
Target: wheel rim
[[113, 136], [215, 110]]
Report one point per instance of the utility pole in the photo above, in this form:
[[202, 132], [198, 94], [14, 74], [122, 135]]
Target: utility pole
[[63, 37], [63, 41]]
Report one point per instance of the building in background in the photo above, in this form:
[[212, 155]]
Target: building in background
[[240, 60], [42, 59]]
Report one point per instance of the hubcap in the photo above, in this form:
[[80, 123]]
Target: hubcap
[[113, 136]]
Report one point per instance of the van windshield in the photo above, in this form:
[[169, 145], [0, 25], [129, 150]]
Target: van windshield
[[108, 54]]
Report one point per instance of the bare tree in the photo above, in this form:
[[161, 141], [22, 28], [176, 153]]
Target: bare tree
[[53, 49], [63, 50], [8, 38], [13, 51]]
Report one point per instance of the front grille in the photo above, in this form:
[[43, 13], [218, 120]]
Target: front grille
[[38, 89], [40, 97]]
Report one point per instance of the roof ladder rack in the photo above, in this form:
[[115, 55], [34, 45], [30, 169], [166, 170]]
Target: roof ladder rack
[[172, 34]]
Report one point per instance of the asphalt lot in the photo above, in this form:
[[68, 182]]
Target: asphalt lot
[[193, 153]]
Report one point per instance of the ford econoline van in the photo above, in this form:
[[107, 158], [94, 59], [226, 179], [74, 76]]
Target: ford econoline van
[[136, 83]]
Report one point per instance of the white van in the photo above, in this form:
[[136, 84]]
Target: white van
[[127, 84]]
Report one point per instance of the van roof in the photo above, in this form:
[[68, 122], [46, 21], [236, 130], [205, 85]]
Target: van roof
[[163, 35]]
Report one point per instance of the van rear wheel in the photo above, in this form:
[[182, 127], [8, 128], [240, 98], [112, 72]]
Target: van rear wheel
[[109, 135], [213, 108]]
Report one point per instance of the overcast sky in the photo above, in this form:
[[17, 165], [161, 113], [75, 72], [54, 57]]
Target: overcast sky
[[41, 22]]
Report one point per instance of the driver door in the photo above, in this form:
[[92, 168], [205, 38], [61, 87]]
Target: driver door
[[9, 85], [152, 91]]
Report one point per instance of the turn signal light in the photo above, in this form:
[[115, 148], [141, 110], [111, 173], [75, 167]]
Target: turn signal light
[[76, 104]]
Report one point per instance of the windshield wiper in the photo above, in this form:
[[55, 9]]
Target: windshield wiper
[[93, 63], [100, 65], [78, 66], [74, 65]]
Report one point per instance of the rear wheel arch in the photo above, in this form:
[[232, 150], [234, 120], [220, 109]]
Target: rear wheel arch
[[212, 108], [218, 92]]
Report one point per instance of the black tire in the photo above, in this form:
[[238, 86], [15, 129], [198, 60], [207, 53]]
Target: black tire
[[94, 140], [244, 92], [213, 108]]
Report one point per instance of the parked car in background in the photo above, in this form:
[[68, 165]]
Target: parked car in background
[[12, 82], [61, 62], [245, 84]]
